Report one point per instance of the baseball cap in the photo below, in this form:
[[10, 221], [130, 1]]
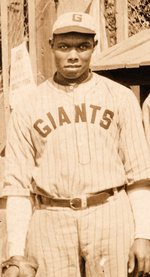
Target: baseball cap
[[74, 22]]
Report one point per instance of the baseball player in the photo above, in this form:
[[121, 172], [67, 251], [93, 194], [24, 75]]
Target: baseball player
[[77, 170]]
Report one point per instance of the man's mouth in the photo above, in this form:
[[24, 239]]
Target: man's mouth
[[72, 66]]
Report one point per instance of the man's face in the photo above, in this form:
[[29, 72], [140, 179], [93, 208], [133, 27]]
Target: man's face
[[72, 53]]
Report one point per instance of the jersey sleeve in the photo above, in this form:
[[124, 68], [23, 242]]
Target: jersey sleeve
[[139, 198], [146, 118], [133, 145], [19, 159], [18, 216]]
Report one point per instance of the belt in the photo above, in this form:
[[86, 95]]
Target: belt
[[76, 203]]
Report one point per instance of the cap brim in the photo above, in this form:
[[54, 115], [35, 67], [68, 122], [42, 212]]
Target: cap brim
[[77, 29]]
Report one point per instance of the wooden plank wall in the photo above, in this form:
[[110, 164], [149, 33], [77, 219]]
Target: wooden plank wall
[[45, 15], [32, 37], [122, 31], [121, 19]]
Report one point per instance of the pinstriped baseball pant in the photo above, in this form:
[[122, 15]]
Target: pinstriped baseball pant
[[101, 235]]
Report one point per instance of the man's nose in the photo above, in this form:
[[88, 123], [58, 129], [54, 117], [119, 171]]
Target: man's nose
[[73, 55]]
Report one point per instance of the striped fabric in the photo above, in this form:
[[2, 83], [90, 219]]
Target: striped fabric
[[102, 235], [76, 140]]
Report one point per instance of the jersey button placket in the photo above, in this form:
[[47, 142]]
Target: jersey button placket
[[82, 135]]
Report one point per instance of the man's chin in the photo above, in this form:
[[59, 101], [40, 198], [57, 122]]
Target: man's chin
[[72, 74]]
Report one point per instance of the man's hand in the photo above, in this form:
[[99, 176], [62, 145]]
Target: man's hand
[[19, 266], [140, 254], [12, 271]]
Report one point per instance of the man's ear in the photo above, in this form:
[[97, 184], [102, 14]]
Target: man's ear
[[51, 42], [95, 43]]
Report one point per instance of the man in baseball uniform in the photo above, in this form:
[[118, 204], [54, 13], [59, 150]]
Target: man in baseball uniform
[[77, 176]]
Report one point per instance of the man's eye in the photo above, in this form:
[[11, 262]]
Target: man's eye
[[63, 47], [83, 47]]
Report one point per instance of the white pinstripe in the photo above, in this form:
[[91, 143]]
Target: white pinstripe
[[102, 235]]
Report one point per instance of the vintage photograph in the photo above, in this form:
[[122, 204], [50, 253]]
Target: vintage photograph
[[75, 138]]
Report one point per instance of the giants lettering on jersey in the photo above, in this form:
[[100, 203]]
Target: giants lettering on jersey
[[80, 116]]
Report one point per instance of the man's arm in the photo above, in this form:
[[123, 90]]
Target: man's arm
[[135, 156], [18, 215], [19, 165], [139, 197]]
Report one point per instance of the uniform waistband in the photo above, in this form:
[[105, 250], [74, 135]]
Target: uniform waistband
[[76, 203]]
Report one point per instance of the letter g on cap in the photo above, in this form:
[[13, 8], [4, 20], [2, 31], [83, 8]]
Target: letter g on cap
[[77, 17]]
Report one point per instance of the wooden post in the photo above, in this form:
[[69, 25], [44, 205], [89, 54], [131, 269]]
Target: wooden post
[[97, 11], [73, 6], [5, 58], [32, 36], [122, 30], [45, 15], [5, 70], [122, 19], [15, 23]]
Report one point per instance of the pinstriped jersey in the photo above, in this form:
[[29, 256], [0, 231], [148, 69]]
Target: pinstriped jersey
[[146, 118], [73, 140]]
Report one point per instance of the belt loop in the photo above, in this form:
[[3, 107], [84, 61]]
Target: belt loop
[[84, 201], [115, 191], [37, 201]]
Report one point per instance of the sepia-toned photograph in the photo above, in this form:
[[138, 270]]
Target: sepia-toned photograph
[[75, 138]]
